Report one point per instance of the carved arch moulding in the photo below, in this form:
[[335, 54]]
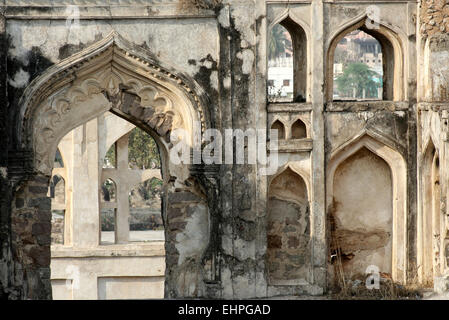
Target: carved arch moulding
[[111, 75]]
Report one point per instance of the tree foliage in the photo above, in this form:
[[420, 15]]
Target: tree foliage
[[358, 76], [143, 151], [278, 42]]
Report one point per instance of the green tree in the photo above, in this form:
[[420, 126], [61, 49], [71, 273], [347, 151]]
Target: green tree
[[358, 76], [143, 152], [278, 42]]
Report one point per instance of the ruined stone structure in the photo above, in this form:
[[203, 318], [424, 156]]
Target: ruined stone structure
[[359, 183]]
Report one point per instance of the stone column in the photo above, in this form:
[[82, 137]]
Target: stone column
[[85, 192], [319, 246], [122, 222]]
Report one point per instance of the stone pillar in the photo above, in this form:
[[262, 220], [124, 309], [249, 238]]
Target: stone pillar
[[85, 190], [122, 222], [319, 246]]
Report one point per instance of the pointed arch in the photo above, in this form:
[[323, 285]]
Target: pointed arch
[[280, 127], [288, 229], [297, 19], [298, 130], [304, 175], [391, 42], [111, 75], [398, 169], [429, 233]]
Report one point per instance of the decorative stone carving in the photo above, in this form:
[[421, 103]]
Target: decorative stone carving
[[111, 74]]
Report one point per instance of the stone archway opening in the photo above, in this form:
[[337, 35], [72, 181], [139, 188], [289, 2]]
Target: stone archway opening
[[70, 99], [110, 226]]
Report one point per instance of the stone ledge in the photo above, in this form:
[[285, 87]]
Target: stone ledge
[[294, 145], [289, 107], [155, 249], [357, 106]]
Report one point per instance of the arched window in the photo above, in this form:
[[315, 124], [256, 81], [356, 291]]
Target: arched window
[[287, 62], [365, 63], [279, 126], [358, 68], [299, 130]]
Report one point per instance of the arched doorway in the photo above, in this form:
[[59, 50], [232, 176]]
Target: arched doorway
[[113, 75]]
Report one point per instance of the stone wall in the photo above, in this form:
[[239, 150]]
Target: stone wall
[[222, 225]]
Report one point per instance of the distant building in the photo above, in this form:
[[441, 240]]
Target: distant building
[[359, 47], [280, 77]]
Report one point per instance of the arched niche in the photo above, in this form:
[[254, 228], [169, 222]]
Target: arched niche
[[384, 157], [392, 58], [288, 230], [280, 127], [429, 233], [299, 40], [299, 130], [362, 213]]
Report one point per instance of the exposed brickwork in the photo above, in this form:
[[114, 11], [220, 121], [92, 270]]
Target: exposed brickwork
[[181, 207], [31, 229]]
